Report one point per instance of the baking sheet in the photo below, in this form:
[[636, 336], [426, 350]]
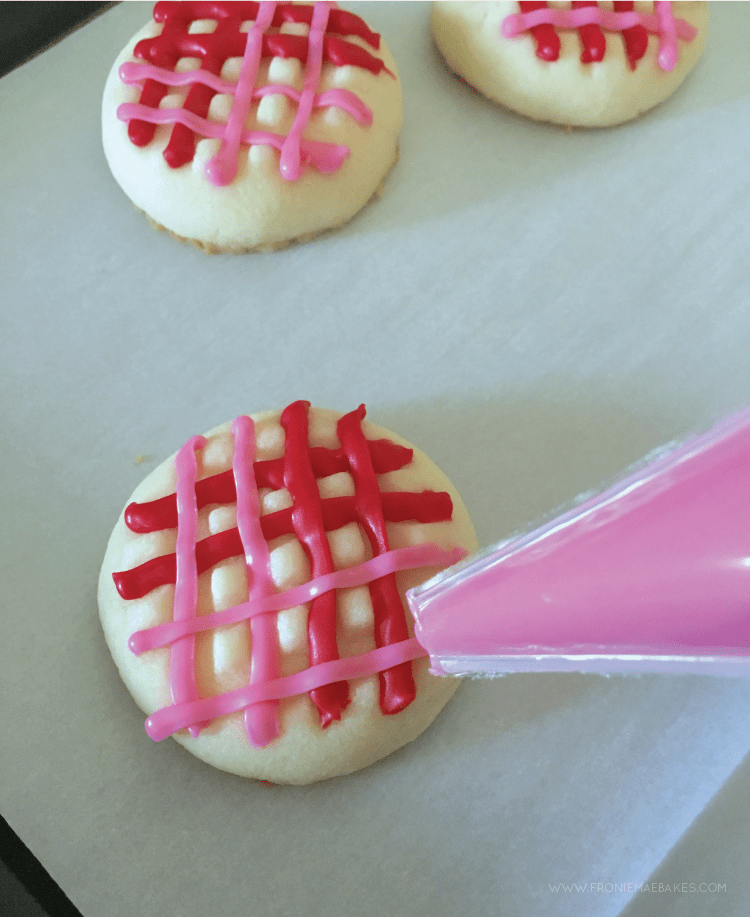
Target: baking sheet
[[536, 309]]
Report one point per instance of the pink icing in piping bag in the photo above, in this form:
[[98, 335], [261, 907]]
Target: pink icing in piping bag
[[652, 575]]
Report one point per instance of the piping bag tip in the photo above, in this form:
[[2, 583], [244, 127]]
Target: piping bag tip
[[649, 576]]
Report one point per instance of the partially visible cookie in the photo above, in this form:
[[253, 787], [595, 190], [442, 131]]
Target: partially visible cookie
[[244, 126], [582, 64], [252, 593]]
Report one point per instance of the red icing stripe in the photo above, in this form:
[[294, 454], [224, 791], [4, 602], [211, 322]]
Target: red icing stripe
[[424, 507], [213, 49], [161, 55], [340, 22], [307, 521], [397, 687], [220, 488], [591, 37], [636, 38], [548, 42], [310, 518]]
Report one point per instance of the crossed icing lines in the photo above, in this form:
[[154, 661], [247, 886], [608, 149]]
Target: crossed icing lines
[[591, 21], [309, 518], [262, 40]]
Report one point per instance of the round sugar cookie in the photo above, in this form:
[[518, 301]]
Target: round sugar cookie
[[240, 134], [577, 64], [253, 593]]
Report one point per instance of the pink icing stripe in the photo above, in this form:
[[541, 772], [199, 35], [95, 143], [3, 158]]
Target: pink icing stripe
[[261, 720], [182, 675], [333, 98], [668, 54], [325, 157], [289, 162], [169, 720], [422, 555], [222, 168], [663, 24]]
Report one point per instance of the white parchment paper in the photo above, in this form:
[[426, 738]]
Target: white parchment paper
[[536, 309]]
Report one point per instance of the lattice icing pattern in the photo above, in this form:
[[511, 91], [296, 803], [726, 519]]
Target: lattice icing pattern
[[219, 100], [309, 518], [592, 20]]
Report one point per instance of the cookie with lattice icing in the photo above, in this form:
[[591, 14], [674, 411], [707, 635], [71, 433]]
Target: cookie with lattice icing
[[253, 593], [244, 126], [583, 64]]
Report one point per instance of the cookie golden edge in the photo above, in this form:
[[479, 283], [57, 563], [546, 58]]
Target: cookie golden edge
[[268, 247]]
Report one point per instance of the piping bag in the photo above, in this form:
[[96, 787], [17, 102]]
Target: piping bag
[[651, 575]]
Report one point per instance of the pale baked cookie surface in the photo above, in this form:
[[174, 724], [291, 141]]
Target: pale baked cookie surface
[[236, 519], [241, 134], [577, 64]]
